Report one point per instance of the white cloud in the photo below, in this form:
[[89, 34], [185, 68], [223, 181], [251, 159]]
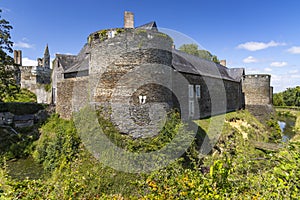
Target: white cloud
[[23, 45], [294, 50], [296, 76], [278, 64], [253, 71], [268, 69], [293, 71], [255, 46], [28, 62], [250, 59]]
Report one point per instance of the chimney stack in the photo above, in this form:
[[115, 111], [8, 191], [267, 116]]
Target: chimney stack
[[223, 62], [128, 20], [18, 57]]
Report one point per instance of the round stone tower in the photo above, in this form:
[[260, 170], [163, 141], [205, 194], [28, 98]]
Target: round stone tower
[[257, 90], [130, 71]]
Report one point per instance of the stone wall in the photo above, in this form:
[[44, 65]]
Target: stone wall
[[256, 89], [35, 79], [72, 94], [216, 95], [131, 78]]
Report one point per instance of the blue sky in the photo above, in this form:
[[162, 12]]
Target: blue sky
[[260, 35]]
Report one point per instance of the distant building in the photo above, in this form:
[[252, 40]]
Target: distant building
[[35, 78]]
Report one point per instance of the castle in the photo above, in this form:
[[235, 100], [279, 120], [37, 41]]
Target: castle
[[35, 78], [135, 72]]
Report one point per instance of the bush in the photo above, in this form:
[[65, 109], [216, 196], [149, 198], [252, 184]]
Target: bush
[[21, 108], [59, 141], [24, 95]]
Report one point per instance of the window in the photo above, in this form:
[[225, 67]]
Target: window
[[198, 91], [142, 99], [191, 108], [191, 91]]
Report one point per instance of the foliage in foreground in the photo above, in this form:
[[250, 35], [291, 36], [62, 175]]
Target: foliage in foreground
[[236, 170]]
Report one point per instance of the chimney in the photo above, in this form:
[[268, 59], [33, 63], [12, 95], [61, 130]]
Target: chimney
[[128, 20], [223, 62], [18, 57]]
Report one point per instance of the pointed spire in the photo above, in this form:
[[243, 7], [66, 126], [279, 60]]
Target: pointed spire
[[46, 50], [46, 59]]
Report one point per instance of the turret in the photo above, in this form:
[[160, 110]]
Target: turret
[[18, 57]]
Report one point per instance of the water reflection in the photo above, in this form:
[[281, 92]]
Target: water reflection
[[287, 128]]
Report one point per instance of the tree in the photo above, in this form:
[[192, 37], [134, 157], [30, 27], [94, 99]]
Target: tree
[[7, 68], [193, 50], [190, 49], [278, 99], [289, 97]]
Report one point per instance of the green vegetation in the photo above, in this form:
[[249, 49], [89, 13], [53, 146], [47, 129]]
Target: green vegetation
[[235, 169], [47, 87], [23, 95], [7, 69], [289, 97], [295, 113], [21, 108], [193, 50]]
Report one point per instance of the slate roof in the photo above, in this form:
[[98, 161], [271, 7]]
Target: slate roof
[[71, 63], [149, 26], [236, 73], [23, 117], [66, 61], [190, 64]]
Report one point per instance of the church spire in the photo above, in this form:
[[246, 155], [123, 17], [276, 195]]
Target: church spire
[[46, 51], [46, 59]]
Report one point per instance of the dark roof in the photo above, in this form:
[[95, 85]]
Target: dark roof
[[236, 73], [80, 65], [66, 61], [187, 63], [149, 26], [23, 117], [71, 63]]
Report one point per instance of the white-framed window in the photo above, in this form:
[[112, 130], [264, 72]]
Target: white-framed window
[[191, 91], [142, 99], [198, 91], [191, 108]]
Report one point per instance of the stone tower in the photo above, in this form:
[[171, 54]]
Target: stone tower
[[257, 90], [18, 57], [128, 20], [46, 59]]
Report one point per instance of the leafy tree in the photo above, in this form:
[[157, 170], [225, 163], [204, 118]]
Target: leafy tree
[[289, 97], [7, 67], [190, 49], [278, 99], [193, 50]]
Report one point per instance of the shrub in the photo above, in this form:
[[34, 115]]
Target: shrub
[[59, 141]]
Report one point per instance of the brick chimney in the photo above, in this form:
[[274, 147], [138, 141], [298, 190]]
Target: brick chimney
[[223, 62], [18, 57], [128, 20]]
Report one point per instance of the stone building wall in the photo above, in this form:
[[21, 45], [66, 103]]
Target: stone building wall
[[256, 89], [72, 94], [35, 79], [216, 96]]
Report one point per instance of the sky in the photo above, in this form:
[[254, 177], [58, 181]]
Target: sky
[[263, 36]]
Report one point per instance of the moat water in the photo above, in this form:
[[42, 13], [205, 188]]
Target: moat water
[[287, 125]]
